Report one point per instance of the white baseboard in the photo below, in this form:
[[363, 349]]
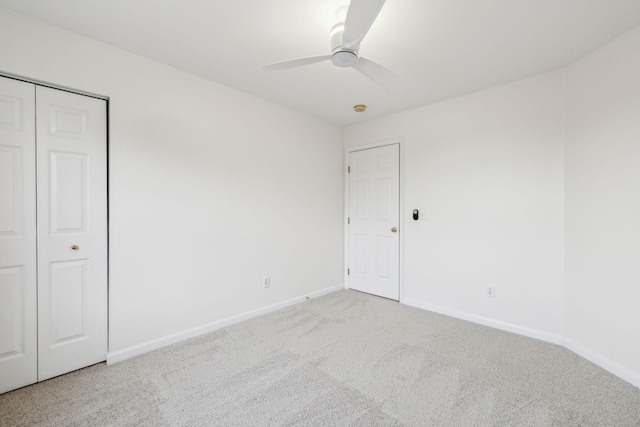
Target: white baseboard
[[604, 362], [509, 327], [592, 356], [126, 353]]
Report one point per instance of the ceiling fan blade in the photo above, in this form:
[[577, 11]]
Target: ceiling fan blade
[[377, 73], [292, 63], [360, 17]]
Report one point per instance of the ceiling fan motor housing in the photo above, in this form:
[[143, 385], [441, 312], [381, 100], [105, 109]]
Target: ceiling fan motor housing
[[344, 58]]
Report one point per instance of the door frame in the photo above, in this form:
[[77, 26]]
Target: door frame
[[348, 151], [59, 87]]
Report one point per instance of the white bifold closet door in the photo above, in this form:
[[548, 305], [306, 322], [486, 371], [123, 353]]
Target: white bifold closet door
[[53, 233], [72, 231], [18, 268]]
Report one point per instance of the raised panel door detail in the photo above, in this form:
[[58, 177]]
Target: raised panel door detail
[[68, 123], [11, 312], [362, 199], [68, 192], [11, 190], [10, 113], [68, 301], [385, 161], [383, 186], [362, 165], [361, 261], [383, 256]]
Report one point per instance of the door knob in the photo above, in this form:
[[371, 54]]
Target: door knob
[[75, 247], [394, 229]]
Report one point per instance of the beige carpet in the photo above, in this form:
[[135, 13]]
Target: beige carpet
[[343, 359]]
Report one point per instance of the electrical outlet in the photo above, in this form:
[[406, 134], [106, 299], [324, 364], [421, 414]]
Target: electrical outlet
[[266, 282], [490, 292]]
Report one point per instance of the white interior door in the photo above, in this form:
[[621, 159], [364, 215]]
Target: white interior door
[[72, 231], [18, 327], [374, 209]]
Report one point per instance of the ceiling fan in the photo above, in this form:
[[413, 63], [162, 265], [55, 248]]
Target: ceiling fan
[[346, 37]]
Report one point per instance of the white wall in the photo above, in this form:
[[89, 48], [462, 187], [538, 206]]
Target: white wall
[[210, 189], [602, 205], [487, 167], [532, 186]]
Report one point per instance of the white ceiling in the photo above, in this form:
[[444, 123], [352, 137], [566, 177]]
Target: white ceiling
[[440, 48]]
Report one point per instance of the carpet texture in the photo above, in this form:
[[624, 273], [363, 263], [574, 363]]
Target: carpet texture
[[344, 359]]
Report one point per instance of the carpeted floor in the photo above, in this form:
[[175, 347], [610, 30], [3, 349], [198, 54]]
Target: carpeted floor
[[343, 359]]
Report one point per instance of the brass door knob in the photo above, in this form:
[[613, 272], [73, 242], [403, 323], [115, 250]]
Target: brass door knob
[[394, 229], [75, 247]]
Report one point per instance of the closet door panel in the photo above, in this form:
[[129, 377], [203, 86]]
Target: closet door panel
[[18, 310], [72, 231]]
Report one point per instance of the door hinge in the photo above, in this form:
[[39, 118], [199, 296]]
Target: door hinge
[[348, 272], [348, 169], [348, 220]]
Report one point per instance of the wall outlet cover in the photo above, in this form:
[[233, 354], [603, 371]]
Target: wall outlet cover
[[490, 291]]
